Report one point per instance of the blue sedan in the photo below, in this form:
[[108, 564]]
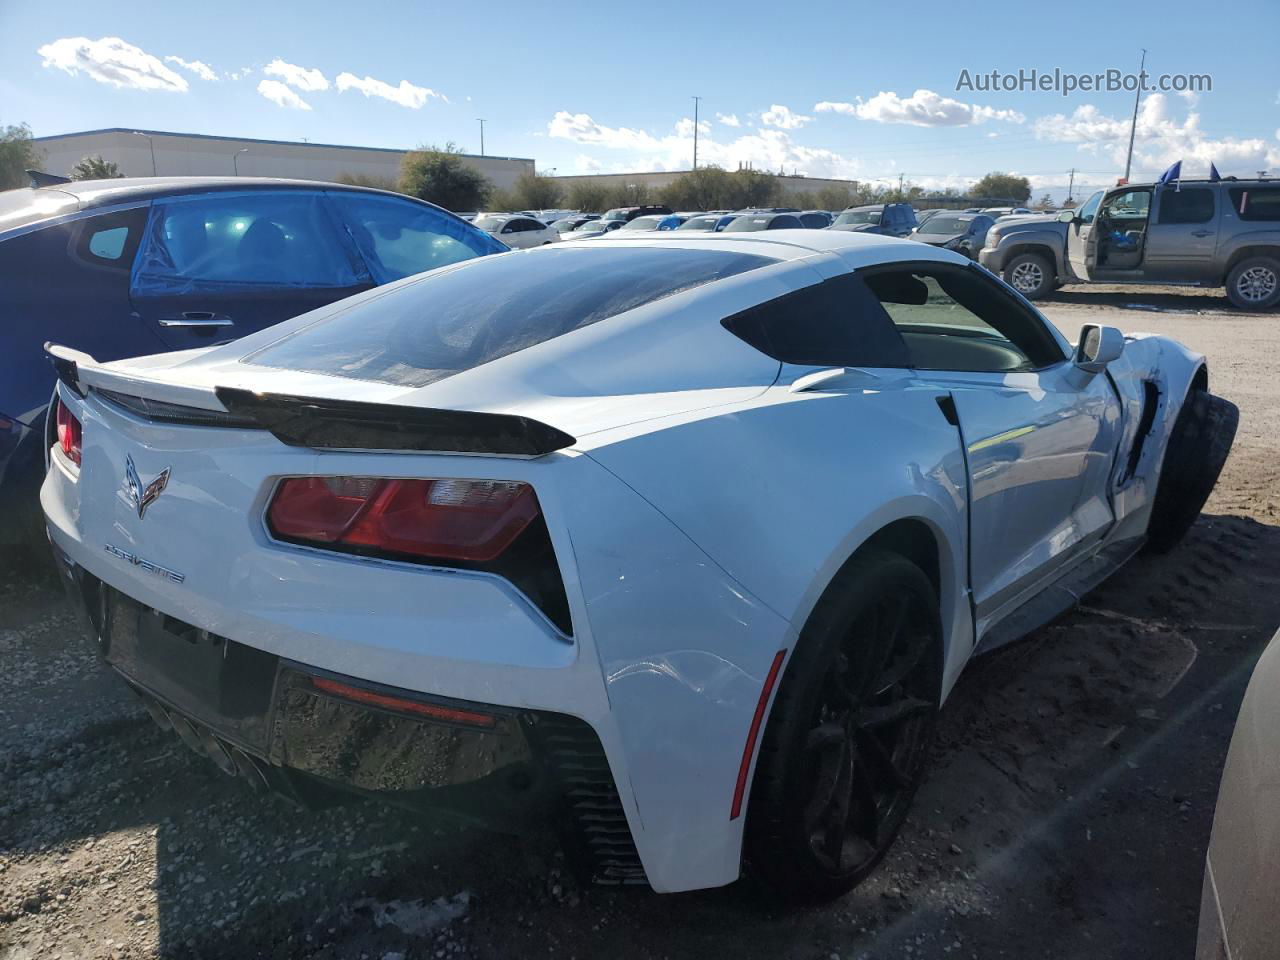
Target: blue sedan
[[121, 268]]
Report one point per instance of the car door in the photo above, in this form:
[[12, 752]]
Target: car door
[[1079, 230], [1182, 234], [68, 283], [216, 266], [1039, 435]]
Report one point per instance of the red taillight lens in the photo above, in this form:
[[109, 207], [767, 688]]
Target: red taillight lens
[[69, 435], [471, 521]]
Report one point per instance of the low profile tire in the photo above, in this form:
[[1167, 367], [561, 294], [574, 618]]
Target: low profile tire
[[1254, 284], [849, 735], [1198, 448], [1031, 274]]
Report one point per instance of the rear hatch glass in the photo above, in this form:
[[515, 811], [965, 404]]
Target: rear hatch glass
[[452, 320]]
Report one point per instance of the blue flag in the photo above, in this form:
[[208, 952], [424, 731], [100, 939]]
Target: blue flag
[[1214, 176], [1170, 175]]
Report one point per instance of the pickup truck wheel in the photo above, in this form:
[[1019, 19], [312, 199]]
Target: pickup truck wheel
[[1254, 284], [1198, 448], [1031, 274], [848, 738]]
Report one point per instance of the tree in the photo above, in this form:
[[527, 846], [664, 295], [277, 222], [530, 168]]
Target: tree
[[1045, 202], [95, 168], [589, 196], [530, 192], [1002, 186], [18, 154], [441, 176], [368, 180]]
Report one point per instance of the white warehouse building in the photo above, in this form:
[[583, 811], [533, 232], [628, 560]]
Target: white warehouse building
[[142, 153]]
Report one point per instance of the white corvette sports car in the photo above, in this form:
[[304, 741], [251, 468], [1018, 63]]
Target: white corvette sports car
[[685, 538]]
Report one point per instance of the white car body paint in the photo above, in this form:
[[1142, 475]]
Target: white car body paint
[[710, 497]]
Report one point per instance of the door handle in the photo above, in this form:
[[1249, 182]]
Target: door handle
[[196, 318], [1202, 233]]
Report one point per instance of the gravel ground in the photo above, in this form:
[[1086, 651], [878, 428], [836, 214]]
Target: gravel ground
[[1065, 816]]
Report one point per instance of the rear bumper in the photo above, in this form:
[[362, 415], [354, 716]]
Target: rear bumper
[[316, 736]]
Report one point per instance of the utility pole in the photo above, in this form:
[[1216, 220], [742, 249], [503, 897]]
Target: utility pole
[[695, 132], [1071, 185], [900, 176], [1133, 127], [152, 144], [481, 119]]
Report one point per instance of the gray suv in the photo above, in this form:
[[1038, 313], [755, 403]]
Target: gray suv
[[1222, 233]]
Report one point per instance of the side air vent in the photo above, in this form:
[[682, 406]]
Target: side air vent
[[576, 760], [158, 411]]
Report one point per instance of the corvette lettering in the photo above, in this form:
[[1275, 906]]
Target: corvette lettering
[[145, 564]]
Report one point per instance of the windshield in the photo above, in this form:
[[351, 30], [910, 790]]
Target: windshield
[[491, 224], [643, 223], [592, 226], [450, 320], [699, 223], [747, 224], [939, 224], [617, 213], [859, 216]]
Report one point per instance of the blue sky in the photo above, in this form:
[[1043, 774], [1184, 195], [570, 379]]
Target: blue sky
[[826, 88]]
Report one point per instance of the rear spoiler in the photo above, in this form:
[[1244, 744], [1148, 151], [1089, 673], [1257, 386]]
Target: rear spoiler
[[321, 423], [356, 425]]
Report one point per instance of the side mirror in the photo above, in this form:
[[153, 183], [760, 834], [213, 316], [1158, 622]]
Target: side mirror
[[1098, 347], [1066, 216]]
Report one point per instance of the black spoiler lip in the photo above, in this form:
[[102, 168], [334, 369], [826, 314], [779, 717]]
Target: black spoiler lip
[[357, 425]]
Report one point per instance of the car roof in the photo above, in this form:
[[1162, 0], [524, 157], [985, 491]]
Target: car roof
[[856, 249], [94, 193]]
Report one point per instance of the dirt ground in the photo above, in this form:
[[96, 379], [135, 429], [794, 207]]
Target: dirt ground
[[1065, 816]]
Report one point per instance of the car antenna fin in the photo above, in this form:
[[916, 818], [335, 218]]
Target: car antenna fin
[[40, 179]]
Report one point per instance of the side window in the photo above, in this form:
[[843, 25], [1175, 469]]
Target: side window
[[244, 240], [398, 238], [1256, 203], [1130, 205], [835, 323], [959, 319], [1189, 205], [784, 223], [111, 239], [1090, 208]]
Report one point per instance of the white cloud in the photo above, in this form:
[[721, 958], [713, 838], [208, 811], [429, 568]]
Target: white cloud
[[310, 81], [198, 67], [280, 94], [783, 118], [729, 119], [924, 108], [586, 164], [406, 95], [238, 74], [765, 149], [684, 127], [112, 61], [1160, 140]]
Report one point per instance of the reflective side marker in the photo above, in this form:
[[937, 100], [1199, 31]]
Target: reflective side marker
[[752, 734]]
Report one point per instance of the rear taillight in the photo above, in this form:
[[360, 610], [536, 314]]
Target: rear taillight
[[466, 521], [69, 435]]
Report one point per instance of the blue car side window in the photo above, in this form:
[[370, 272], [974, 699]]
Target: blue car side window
[[252, 241], [398, 238]]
